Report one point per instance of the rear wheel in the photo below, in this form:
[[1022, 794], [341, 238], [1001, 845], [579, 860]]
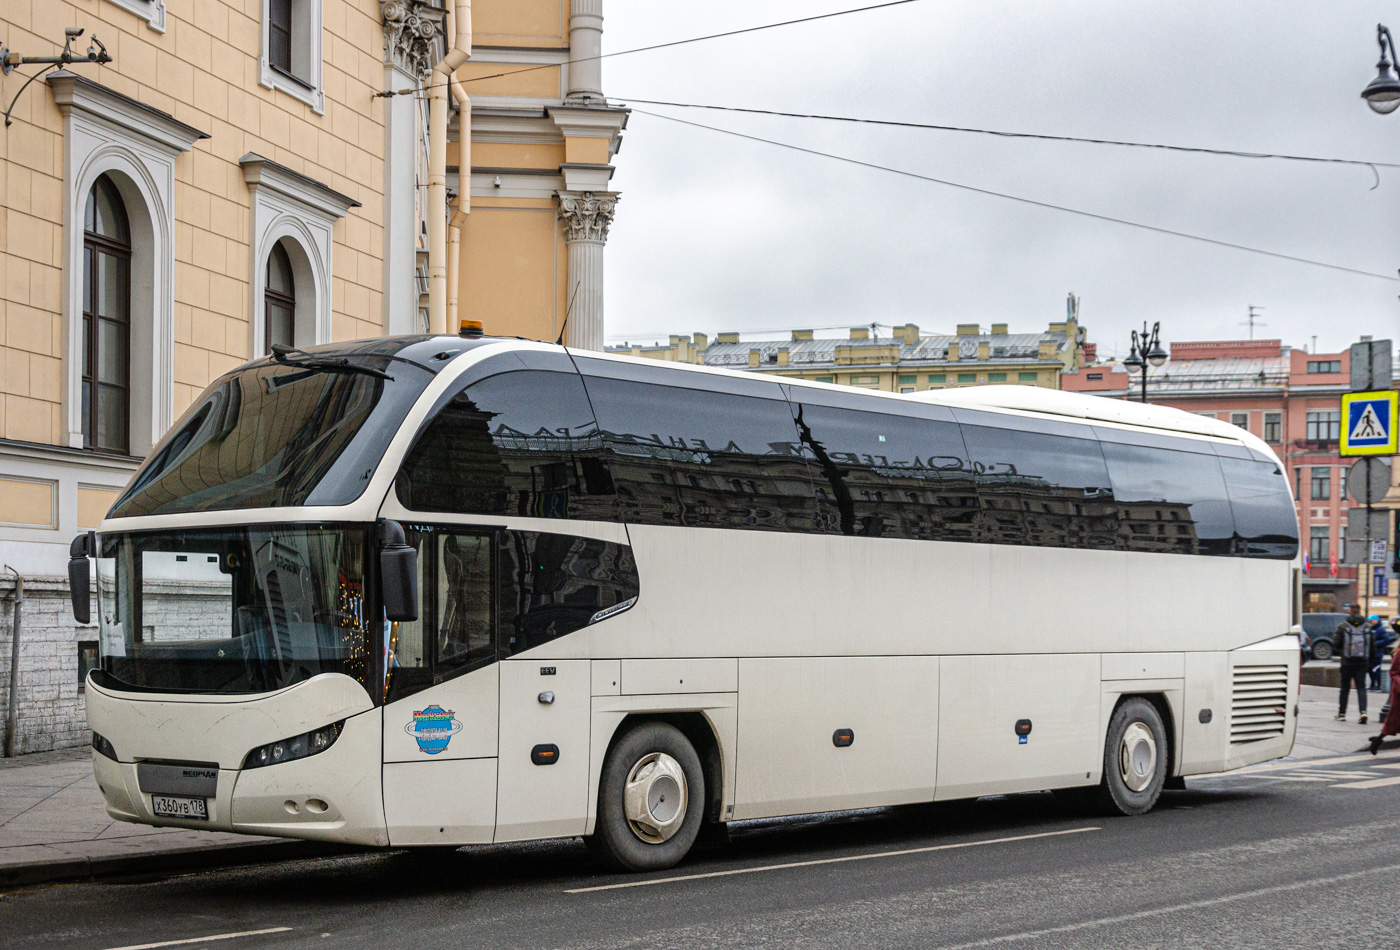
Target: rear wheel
[[1134, 760], [650, 801], [1322, 649]]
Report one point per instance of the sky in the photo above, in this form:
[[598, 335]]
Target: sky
[[717, 233]]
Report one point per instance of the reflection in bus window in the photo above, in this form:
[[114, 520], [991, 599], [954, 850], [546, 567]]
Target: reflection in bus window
[[553, 584], [702, 459], [520, 443], [456, 629]]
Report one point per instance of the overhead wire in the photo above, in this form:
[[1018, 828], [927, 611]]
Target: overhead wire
[[1234, 153], [666, 45], [1022, 199]]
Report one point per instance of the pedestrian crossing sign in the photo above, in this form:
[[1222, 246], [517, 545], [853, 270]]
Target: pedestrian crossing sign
[[1368, 423]]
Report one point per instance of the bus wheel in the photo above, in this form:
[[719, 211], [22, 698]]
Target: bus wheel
[[650, 800], [1134, 760]]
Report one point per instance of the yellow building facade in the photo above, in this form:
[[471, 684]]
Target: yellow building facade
[[542, 141], [220, 176], [906, 361]]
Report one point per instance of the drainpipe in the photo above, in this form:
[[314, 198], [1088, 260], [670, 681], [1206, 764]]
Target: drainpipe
[[458, 54], [12, 709], [463, 204]]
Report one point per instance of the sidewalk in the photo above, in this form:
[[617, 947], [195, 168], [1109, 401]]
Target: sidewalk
[[53, 827]]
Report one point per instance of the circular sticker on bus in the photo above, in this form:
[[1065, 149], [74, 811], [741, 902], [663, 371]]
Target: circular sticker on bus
[[433, 728]]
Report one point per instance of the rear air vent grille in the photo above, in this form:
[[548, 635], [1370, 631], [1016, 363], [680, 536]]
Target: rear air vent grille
[[1258, 703]]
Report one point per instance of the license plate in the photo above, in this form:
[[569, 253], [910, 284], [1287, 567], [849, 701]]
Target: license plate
[[175, 806]]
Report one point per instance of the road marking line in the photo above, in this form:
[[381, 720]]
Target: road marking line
[[1336, 773], [1394, 765], [1295, 764], [1371, 783], [1300, 778], [1174, 909], [176, 943], [808, 864]]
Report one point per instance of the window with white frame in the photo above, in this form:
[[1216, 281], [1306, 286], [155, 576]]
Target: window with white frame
[[292, 222], [118, 265], [152, 11], [1273, 427], [291, 50]]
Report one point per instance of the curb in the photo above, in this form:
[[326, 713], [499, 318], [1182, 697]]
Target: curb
[[163, 862]]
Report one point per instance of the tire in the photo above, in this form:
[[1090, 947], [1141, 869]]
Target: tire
[[640, 825], [1322, 649], [1134, 760]]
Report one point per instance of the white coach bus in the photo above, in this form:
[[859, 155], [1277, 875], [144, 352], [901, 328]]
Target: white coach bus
[[447, 591]]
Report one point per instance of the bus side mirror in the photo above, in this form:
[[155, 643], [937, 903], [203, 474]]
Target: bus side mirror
[[398, 573], [80, 576]]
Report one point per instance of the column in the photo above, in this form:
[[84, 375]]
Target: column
[[586, 44], [586, 216]]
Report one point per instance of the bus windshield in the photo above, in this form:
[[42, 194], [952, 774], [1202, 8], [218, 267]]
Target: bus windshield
[[305, 431], [232, 610]]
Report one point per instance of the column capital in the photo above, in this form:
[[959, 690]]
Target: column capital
[[414, 35], [587, 214]]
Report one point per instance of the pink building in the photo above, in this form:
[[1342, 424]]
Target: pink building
[[1292, 400]]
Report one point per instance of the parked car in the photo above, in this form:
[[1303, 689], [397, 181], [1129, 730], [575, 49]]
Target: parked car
[[1317, 631]]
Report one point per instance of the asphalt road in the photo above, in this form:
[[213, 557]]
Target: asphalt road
[[1276, 857]]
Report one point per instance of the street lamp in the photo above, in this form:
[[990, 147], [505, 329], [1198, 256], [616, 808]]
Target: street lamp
[[1147, 349], [1383, 92]]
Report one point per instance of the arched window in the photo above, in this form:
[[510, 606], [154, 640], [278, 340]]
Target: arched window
[[106, 320], [279, 299]]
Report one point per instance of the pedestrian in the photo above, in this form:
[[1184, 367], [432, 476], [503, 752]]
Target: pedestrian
[[1391, 726], [1352, 641], [1379, 638]]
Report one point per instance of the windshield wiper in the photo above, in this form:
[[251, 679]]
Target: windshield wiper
[[291, 356]]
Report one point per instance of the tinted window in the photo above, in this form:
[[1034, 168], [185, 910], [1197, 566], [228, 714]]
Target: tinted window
[[273, 436], [885, 475], [456, 626], [1040, 488], [521, 443], [702, 459], [1266, 524], [554, 584], [1169, 501]]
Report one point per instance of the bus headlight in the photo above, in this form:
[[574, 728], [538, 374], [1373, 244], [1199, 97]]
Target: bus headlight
[[297, 747]]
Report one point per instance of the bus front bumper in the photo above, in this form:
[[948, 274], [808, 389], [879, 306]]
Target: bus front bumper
[[333, 795]]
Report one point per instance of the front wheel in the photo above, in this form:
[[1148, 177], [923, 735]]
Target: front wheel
[[1322, 649], [1134, 760], [650, 801]]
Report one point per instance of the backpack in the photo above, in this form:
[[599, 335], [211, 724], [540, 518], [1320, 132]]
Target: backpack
[[1354, 645]]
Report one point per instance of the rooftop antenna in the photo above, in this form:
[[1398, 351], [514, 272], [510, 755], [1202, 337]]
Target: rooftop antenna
[[1253, 320], [567, 311]]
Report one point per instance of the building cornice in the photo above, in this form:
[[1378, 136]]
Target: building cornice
[[261, 172], [78, 93], [37, 451]]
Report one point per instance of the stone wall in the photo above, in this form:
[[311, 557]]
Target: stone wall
[[52, 712], [52, 709]]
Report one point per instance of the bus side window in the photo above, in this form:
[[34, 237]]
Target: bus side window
[[455, 630], [554, 584], [521, 442]]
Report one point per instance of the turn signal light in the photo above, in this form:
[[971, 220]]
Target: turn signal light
[[297, 747], [104, 747]]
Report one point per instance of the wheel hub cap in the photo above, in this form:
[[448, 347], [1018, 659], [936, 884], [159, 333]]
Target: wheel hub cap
[[655, 797], [1137, 756]]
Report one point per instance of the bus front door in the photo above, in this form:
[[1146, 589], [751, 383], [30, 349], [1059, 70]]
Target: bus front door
[[442, 698]]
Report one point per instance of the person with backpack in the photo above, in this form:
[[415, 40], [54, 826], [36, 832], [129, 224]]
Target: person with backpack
[[1352, 642]]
